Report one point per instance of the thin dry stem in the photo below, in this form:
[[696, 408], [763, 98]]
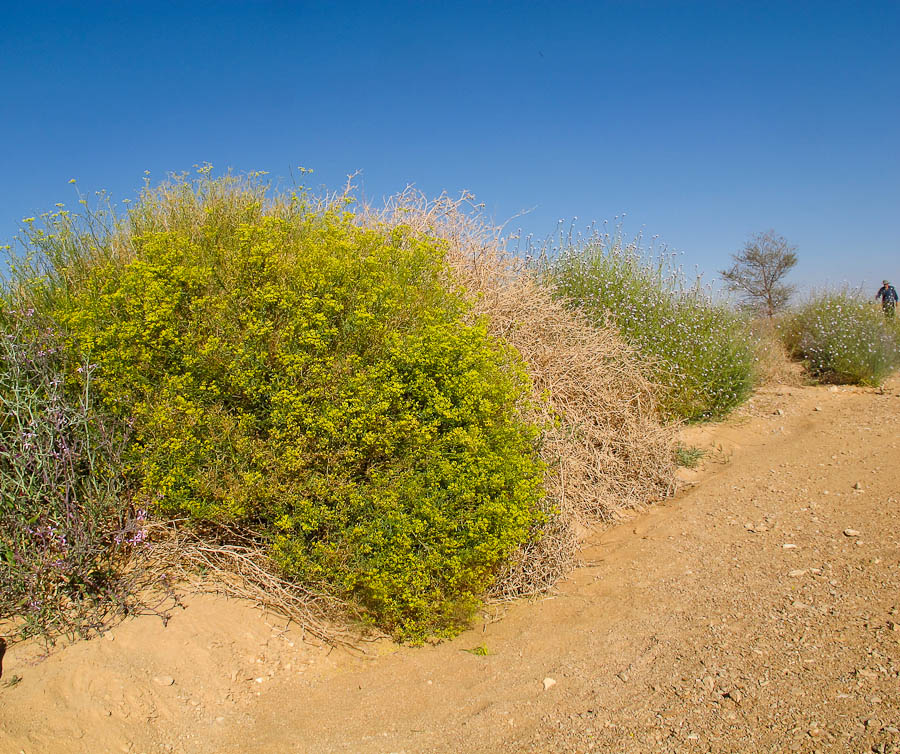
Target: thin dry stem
[[224, 561]]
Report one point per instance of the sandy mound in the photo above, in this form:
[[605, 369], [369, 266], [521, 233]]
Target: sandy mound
[[154, 685]]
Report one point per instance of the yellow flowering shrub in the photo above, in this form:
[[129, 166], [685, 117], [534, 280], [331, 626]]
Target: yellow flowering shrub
[[320, 382]]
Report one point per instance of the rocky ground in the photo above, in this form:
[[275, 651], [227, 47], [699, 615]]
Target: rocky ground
[[757, 611]]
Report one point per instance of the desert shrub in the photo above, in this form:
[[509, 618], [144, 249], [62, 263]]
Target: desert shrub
[[603, 444], [842, 337], [65, 522], [288, 370], [700, 352]]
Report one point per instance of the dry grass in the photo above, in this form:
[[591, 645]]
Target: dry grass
[[221, 560], [773, 362], [605, 447]]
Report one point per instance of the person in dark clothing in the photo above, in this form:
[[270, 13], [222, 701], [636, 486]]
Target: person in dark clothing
[[888, 295]]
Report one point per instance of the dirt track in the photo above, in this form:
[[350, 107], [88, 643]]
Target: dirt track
[[757, 611]]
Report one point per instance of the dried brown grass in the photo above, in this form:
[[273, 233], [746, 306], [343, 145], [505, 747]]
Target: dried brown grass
[[774, 365], [605, 447], [221, 560]]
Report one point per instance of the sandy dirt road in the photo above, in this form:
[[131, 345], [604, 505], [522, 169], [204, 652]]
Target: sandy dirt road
[[757, 611]]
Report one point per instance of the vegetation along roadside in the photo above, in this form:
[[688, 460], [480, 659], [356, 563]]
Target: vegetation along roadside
[[380, 410]]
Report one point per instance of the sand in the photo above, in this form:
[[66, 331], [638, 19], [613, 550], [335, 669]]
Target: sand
[[758, 610]]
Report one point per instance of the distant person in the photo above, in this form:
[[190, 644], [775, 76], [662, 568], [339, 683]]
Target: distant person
[[888, 295]]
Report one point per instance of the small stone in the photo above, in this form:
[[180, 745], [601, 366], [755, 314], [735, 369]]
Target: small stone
[[735, 695], [797, 572], [549, 683], [163, 680], [259, 680], [873, 723], [851, 533], [789, 546], [622, 677], [693, 737], [814, 732], [778, 412], [817, 408], [893, 625], [857, 486], [891, 729]]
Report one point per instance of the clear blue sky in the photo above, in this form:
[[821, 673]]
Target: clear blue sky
[[703, 121]]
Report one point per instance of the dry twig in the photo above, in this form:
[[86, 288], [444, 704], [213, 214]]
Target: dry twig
[[223, 561]]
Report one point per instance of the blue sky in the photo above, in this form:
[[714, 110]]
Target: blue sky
[[703, 122]]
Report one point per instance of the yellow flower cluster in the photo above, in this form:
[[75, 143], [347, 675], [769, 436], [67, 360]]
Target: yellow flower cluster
[[320, 381]]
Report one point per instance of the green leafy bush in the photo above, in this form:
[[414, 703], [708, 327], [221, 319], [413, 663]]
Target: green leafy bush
[[286, 369], [702, 354], [843, 338]]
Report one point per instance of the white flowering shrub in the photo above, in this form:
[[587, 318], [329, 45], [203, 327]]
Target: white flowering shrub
[[843, 337], [701, 353]]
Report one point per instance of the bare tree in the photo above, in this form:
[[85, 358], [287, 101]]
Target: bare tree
[[758, 271]]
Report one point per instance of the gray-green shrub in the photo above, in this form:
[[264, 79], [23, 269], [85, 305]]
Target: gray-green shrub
[[843, 337], [701, 353], [65, 522]]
